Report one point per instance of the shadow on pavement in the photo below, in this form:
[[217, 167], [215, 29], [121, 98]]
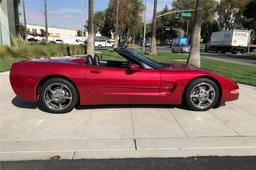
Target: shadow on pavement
[[124, 106], [18, 102]]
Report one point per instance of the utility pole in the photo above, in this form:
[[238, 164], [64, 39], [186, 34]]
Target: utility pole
[[82, 20], [187, 26], [46, 21], [145, 26], [25, 21]]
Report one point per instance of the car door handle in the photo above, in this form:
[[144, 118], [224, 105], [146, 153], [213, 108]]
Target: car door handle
[[96, 71]]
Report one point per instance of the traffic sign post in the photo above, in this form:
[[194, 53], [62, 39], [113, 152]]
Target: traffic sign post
[[186, 14]]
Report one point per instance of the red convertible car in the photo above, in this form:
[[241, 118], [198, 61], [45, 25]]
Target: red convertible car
[[59, 84]]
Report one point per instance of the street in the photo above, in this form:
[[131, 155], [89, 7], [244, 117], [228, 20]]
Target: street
[[228, 57], [192, 163]]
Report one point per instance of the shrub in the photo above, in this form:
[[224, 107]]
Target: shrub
[[34, 50], [18, 42]]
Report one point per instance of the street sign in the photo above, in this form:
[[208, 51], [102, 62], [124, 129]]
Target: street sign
[[186, 14]]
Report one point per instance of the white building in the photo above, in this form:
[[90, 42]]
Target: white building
[[53, 32], [9, 20]]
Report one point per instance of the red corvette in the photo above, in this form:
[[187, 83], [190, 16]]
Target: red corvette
[[59, 84]]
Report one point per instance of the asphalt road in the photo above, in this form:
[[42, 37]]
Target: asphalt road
[[192, 163], [233, 58]]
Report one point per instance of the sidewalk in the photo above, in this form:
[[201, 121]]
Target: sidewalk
[[125, 132]]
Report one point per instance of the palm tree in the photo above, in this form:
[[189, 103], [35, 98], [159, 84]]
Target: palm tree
[[194, 55], [46, 21], [116, 23], [25, 21], [90, 40], [153, 44]]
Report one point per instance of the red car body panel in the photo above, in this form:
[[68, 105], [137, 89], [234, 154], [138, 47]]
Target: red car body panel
[[107, 85]]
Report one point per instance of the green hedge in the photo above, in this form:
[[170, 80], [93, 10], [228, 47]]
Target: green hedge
[[40, 50]]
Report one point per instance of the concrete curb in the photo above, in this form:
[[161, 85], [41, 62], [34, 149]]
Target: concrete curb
[[127, 148]]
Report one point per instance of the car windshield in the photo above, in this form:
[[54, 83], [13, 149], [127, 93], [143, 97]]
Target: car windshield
[[148, 61]]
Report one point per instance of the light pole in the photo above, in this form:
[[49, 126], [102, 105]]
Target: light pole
[[187, 26], [145, 26], [145, 22]]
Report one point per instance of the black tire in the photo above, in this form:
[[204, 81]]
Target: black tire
[[194, 83], [73, 93]]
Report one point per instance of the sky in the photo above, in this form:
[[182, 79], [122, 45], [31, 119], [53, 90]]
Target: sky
[[68, 13]]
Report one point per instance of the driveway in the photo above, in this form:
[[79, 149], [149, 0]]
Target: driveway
[[125, 131]]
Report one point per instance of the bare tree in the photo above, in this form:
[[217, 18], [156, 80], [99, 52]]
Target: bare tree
[[46, 21], [194, 55], [90, 40], [116, 23], [153, 44], [25, 21]]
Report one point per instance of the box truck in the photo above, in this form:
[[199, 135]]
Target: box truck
[[233, 41]]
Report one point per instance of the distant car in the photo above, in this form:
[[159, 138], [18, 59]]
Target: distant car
[[180, 45], [59, 41], [32, 40], [180, 48], [122, 45], [147, 43], [59, 84]]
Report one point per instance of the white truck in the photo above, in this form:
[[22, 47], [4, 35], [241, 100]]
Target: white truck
[[233, 41]]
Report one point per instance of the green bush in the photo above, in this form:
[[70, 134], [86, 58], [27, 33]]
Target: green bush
[[18, 42], [34, 50]]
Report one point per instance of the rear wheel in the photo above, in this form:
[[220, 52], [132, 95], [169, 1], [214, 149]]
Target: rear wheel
[[57, 95], [202, 94]]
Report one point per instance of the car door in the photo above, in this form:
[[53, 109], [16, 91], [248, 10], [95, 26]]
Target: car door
[[113, 85]]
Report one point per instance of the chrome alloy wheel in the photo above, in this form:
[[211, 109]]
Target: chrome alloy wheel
[[202, 95], [57, 96]]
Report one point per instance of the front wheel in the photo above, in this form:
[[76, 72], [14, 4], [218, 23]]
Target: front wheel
[[57, 95], [202, 94]]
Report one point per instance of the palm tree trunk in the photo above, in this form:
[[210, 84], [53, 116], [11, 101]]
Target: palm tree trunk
[[46, 21], [194, 55], [153, 45], [25, 21], [133, 40], [90, 40], [116, 24]]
